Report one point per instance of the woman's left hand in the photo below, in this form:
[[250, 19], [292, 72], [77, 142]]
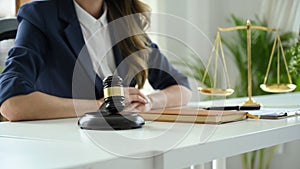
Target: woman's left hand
[[133, 105]]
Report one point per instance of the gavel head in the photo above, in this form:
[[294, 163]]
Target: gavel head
[[114, 97]]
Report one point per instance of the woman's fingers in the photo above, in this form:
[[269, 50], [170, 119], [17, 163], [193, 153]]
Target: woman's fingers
[[131, 107], [134, 91], [136, 101], [143, 107], [138, 107], [134, 95], [136, 98]]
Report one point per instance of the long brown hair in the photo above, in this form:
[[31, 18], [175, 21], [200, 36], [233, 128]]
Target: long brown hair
[[136, 43]]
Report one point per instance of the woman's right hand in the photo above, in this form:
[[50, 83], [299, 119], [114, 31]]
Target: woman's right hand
[[135, 100]]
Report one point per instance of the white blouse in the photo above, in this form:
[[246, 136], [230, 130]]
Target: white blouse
[[97, 40]]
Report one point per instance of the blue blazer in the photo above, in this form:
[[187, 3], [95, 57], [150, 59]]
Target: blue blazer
[[49, 56]]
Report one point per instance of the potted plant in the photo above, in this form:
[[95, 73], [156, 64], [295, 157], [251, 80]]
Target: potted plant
[[294, 67]]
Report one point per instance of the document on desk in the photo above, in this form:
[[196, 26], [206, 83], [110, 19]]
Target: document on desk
[[192, 115], [274, 113]]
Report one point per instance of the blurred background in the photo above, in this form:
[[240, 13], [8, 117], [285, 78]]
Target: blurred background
[[185, 31], [206, 16]]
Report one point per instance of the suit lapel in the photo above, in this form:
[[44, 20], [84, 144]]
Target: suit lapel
[[74, 37], [121, 65], [72, 30]]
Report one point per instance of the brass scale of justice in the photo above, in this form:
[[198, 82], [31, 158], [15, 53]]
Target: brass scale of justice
[[271, 88]]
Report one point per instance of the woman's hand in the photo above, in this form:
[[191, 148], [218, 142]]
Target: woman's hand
[[138, 107], [172, 96], [136, 101]]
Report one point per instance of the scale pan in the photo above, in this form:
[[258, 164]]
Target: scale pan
[[278, 88], [216, 91]]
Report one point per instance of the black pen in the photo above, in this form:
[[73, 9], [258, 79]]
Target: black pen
[[249, 108], [233, 108]]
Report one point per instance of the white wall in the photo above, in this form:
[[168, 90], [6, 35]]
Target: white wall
[[7, 8]]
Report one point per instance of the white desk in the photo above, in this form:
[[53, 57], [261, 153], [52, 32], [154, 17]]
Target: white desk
[[61, 144]]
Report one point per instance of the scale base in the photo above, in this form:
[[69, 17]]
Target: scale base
[[251, 102], [97, 121]]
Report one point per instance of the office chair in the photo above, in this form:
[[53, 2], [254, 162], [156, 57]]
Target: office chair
[[8, 30]]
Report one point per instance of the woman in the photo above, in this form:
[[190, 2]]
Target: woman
[[38, 81]]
